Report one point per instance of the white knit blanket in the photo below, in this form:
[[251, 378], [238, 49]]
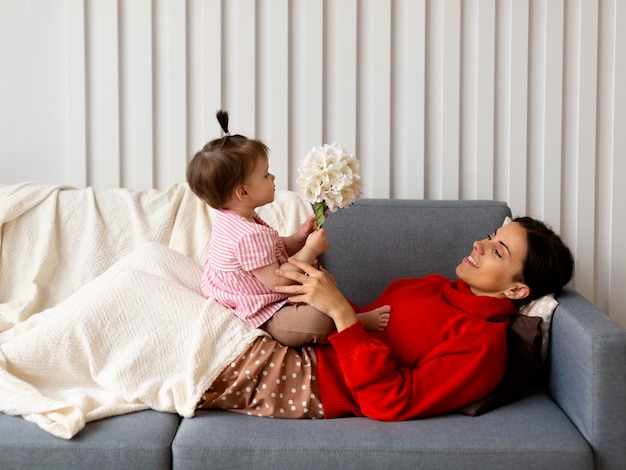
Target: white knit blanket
[[54, 239], [79, 344]]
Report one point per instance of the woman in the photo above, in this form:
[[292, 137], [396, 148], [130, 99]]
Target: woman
[[445, 345]]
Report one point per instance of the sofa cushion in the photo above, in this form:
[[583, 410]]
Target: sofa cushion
[[137, 440], [543, 308], [531, 433]]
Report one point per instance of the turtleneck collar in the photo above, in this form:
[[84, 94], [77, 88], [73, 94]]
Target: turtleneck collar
[[458, 294]]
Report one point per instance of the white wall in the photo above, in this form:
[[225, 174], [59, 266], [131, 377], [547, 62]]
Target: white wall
[[517, 100]]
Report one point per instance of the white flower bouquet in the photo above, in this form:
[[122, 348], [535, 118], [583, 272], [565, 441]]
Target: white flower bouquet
[[331, 179]]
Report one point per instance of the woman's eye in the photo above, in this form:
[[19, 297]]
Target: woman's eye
[[495, 250]]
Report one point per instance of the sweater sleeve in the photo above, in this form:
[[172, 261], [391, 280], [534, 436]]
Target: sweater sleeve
[[454, 374]]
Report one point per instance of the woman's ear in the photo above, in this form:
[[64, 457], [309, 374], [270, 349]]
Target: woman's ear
[[517, 291]]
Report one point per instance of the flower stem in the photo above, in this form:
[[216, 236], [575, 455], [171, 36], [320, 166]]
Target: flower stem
[[320, 210]]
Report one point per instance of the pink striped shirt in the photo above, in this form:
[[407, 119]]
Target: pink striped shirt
[[237, 247]]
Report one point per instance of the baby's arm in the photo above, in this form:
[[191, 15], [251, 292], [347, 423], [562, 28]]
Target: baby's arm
[[294, 243], [316, 244]]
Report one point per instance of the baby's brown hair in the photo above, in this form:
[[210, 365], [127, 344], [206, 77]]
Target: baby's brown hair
[[223, 164]]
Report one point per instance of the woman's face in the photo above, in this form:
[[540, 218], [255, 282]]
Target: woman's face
[[495, 264]]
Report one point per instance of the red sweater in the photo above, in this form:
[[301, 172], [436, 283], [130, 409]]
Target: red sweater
[[443, 349]]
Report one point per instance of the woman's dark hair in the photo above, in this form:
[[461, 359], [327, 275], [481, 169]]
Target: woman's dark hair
[[223, 164], [549, 264]]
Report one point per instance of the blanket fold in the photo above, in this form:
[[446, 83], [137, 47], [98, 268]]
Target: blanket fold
[[136, 337]]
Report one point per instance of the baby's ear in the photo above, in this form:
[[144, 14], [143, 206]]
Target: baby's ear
[[241, 192]]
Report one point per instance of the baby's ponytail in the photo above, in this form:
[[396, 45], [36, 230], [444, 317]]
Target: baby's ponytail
[[222, 164], [222, 118]]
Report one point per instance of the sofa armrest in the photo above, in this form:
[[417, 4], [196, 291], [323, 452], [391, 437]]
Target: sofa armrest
[[588, 377]]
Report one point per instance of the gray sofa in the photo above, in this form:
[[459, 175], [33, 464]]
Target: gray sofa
[[576, 421]]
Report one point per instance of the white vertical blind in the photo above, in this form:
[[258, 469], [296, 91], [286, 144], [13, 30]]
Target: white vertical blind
[[340, 73], [408, 100], [545, 109], [306, 81], [75, 94], [512, 45], [103, 93], [273, 84], [204, 79], [373, 85], [477, 152], [136, 94], [616, 120], [517, 100]]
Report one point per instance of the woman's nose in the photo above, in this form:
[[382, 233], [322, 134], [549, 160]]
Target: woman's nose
[[479, 247]]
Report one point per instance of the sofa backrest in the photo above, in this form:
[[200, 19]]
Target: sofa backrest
[[378, 240]]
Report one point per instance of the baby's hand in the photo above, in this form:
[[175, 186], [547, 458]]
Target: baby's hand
[[307, 227], [317, 241]]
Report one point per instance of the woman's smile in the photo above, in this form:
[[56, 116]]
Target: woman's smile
[[472, 261]]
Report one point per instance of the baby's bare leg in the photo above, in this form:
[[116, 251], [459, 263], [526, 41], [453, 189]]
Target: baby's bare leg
[[377, 319]]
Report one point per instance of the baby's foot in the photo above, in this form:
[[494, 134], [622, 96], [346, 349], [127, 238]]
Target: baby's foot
[[377, 319]]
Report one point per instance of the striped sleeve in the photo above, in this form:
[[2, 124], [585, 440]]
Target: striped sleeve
[[257, 249]]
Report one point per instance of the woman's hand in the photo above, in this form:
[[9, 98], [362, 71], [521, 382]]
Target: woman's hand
[[319, 290]]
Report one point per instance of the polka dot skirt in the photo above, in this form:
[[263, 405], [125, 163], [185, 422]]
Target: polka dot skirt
[[269, 380]]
